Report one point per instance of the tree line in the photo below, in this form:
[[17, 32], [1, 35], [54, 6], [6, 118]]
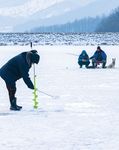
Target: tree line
[[109, 23], [89, 24]]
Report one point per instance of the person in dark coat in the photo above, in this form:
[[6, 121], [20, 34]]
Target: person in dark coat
[[99, 57], [83, 59], [15, 69]]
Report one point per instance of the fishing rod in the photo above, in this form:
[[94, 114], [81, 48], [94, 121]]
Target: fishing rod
[[52, 96], [72, 54]]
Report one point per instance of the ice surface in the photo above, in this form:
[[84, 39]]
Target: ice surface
[[85, 116]]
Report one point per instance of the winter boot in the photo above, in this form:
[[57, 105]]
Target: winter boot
[[14, 106], [94, 64], [80, 66], [103, 65]]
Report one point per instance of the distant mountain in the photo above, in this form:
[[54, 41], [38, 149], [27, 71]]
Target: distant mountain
[[10, 22], [58, 12], [64, 12], [8, 3]]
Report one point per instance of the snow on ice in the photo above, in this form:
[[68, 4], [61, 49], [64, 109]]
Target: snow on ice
[[76, 39], [84, 116]]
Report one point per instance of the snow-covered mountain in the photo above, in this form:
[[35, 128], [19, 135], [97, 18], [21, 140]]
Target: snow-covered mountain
[[44, 12]]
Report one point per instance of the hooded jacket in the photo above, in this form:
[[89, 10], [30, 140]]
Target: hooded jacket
[[16, 68], [83, 55]]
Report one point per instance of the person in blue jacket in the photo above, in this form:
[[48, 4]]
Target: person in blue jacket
[[83, 59], [99, 57], [16, 68]]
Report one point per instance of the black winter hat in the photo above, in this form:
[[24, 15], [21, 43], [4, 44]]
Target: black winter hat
[[34, 51], [98, 47], [35, 58]]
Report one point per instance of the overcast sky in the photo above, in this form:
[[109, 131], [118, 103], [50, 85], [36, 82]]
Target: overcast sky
[[28, 7], [25, 8]]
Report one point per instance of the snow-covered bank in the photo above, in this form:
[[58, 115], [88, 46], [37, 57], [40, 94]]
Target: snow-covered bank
[[75, 39], [85, 116]]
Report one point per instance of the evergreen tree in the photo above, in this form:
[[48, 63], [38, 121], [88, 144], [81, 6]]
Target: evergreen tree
[[84, 25], [110, 23]]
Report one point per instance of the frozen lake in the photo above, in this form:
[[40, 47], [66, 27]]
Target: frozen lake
[[85, 116]]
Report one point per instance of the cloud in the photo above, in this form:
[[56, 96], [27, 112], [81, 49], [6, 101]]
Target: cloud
[[28, 8]]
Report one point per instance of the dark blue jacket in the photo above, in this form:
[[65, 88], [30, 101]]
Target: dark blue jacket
[[99, 55], [16, 68], [83, 55]]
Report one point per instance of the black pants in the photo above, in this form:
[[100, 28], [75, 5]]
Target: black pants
[[96, 62], [83, 63], [11, 87]]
